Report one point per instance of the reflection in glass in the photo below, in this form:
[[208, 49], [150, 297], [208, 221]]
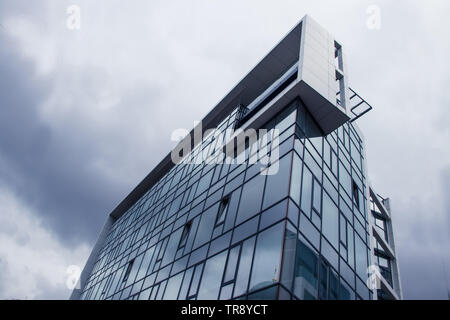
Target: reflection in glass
[[244, 267], [206, 225], [173, 286], [266, 265], [330, 220], [306, 272], [277, 185], [296, 179], [361, 258], [231, 264], [306, 191], [212, 277], [251, 197]]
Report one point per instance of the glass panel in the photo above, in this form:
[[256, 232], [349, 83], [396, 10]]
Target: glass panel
[[195, 280], [330, 220], [219, 244], [309, 231], [186, 282], [198, 255], [317, 196], [134, 270], [206, 225], [345, 292], [306, 271], [266, 294], [289, 250], [273, 214], [334, 286], [222, 210], [172, 247], [344, 179], [286, 118], [252, 193], [145, 263], [266, 265], [343, 230], [323, 283], [306, 191], [244, 267], [350, 246], [361, 258], [212, 277], [232, 208], [245, 230], [226, 291], [277, 185], [173, 286], [231, 264], [296, 179]]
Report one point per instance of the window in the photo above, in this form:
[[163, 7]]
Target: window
[[266, 264], [355, 192], [231, 264], [330, 220], [277, 186], [212, 277], [127, 272], [222, 210], [185, 234], [251, 198]]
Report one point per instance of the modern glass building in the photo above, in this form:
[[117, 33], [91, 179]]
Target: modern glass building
[[285, 213]]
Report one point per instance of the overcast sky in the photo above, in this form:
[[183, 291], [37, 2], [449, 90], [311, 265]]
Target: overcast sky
[[86, 114]]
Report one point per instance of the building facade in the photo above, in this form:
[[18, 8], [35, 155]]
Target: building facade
[[284, 212]]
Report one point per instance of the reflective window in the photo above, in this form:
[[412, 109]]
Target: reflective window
[[226, 291], [251, 197], [245, 264], [231, 264], [330, 220], [306, 191], [296, 179], [273, 214], [127, 272], [185, 234], [344, 179], [277, 185], [212, 277], [185, 285], [317, 196], [266, 264], [173, 286], [232, 209], [222, 210], [306, 271], [195, 280], [355, 193], [206, 225], [245, 230], [361, 258]]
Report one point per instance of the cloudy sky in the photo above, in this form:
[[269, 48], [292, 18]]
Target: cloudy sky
[[86, 114]]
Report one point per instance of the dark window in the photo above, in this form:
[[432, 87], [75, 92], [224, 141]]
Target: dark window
[[127, 272], [222, 210], [355, 192], [185, 234]]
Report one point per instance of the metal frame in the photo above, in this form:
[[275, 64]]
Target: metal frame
[[357, 104]]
